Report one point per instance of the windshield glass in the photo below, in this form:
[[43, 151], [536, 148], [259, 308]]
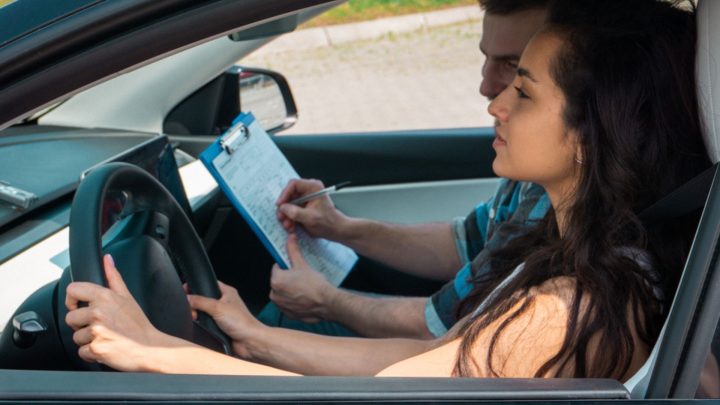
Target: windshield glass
[[20, 17]]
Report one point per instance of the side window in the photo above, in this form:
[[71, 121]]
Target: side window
[[423, 79], [709, 386]]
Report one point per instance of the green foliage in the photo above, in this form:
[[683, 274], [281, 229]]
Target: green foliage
[[361, 10]]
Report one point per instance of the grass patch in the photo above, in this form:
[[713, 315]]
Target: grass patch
[[361, 10]]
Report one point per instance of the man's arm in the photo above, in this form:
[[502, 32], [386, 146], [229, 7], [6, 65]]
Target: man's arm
[[426, 250], [303, 293], [378, 317], [423, 250]]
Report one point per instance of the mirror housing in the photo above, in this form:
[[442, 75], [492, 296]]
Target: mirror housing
[[267, 95], [211, 109]]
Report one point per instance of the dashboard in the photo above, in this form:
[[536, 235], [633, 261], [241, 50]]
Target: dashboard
[[34, 242]]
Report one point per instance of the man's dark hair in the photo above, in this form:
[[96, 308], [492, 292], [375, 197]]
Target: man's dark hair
[[504, 7]]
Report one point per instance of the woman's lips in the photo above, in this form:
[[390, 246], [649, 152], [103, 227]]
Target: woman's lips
[[499, 141]]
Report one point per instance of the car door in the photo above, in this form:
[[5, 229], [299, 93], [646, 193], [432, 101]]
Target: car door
[[191, 22]]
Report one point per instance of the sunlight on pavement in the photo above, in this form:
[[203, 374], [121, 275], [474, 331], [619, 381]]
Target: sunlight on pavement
[[420, 80]]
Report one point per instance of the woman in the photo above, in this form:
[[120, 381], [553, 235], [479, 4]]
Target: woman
[[602, 114]]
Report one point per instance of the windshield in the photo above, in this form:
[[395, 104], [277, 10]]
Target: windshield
[[21, 17]]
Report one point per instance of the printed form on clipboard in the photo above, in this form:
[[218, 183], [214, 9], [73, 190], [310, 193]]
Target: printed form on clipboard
[[252, 172]]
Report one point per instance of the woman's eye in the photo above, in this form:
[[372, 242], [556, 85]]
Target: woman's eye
[[520, 92]]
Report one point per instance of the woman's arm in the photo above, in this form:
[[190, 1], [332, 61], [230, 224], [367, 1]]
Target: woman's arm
[[182, 357], [113, 330], [302, 352], [311, 354], [523, 346]]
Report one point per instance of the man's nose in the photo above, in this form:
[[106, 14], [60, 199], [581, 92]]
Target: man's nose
[[491, 85]]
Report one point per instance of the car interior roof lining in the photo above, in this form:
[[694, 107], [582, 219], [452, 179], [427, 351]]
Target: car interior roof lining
[[128, 50]]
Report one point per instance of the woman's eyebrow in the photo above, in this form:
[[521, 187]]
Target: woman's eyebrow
[[521, 71]]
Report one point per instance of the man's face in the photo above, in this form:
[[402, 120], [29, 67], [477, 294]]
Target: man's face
[[503, 39]]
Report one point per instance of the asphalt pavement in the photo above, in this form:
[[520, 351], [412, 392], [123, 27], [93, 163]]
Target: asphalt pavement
[[408, 76]]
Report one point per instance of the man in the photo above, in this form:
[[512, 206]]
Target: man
[[434, 251]]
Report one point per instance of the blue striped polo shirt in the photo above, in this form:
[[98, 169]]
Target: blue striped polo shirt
[[513, 210]]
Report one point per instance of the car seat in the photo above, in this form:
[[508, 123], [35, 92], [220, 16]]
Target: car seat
[[677, 359]]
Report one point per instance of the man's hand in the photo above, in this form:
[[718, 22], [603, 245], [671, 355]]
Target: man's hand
[[300, 291], [111, 329], [318, 217]]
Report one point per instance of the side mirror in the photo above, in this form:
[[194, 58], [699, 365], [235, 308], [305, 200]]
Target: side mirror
[[211, 109], [267, 95]]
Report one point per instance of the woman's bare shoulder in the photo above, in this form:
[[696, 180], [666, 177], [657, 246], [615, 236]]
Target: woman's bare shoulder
[[529, 338], [560, 291]]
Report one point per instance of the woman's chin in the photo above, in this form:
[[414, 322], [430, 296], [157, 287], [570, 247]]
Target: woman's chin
[[498, 168], [502, 170]]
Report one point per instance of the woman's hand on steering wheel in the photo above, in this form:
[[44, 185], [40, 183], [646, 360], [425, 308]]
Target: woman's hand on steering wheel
[[111, 329], [230, 314]]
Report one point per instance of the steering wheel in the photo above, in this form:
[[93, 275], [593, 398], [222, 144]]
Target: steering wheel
[[153, 245]]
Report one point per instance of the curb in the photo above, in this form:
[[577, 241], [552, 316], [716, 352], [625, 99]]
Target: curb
[[340, 34]]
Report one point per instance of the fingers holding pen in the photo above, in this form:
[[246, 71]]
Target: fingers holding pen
[[297, 188]]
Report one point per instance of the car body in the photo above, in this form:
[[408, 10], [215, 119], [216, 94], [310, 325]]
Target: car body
[[84, 81]]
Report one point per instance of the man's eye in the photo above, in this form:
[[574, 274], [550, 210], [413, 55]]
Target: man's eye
[[520, 92], [511, 65]]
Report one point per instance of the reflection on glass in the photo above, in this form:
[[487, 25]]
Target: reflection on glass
[[112, 208], [709, 386], [156, 156], [260, 95]]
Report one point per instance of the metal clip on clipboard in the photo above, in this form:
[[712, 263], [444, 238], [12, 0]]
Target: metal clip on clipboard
[[236, 136]]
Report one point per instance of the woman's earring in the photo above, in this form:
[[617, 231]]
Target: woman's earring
[[579, 161]]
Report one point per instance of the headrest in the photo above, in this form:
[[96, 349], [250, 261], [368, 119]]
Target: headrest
[[708, 74]]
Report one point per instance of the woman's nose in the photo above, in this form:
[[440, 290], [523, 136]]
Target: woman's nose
[[498, 108]]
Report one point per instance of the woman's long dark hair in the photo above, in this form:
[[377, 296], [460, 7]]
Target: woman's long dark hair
[[627, 72]]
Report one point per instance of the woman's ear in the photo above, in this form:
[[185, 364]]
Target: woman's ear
[[579, 158]]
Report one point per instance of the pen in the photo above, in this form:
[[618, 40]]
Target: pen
[[320, 193]]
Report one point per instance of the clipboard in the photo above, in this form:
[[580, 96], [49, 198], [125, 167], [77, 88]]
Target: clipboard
[[251, 170]]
